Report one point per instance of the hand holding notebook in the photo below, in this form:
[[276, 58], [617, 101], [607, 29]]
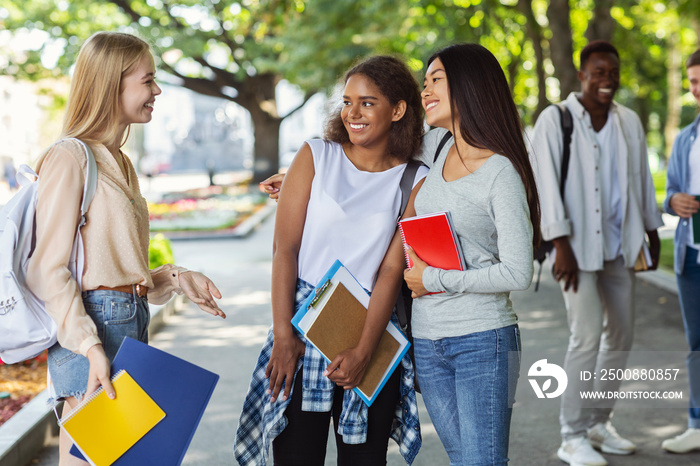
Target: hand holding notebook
[[332, 319], [181, 389], [104, 429], [433, 238]]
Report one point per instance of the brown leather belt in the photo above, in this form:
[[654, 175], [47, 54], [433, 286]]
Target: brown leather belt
[[140, 289]]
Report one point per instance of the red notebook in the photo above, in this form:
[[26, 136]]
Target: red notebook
[[434, 240]]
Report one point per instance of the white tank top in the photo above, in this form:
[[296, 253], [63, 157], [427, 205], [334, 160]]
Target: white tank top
[[351, 215]]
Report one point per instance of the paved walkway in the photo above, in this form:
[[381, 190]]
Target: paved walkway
[[242, 267]]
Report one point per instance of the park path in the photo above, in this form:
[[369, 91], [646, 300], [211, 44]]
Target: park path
[[241, 268]]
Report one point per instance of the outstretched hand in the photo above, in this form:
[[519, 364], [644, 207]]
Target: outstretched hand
[[201, 291], [414, 275], [271, 186]]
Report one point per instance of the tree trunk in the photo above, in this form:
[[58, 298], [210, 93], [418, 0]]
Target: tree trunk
[[257, 95], [513, 68], [534, 31], [561, 48], [267, 145], [641, 106], [602, 25], [673, 76]]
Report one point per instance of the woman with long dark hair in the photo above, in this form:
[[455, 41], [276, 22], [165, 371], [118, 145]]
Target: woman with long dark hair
[[466, 336]]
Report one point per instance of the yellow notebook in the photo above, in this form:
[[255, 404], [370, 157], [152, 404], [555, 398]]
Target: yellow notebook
[[104, 429]]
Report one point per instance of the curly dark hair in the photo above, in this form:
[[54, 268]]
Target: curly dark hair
[[596, 46], [396, 82]]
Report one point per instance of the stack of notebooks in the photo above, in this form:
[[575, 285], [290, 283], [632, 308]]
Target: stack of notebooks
[[643, 261], [160, 401], [104, 429], [332, 319]]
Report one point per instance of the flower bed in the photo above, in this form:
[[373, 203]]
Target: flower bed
[[19, 383], [215, 209], [207, 209]]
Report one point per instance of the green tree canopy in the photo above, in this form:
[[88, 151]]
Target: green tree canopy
[[240, 50]]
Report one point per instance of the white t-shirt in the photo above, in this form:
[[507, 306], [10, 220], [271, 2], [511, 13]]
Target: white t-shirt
[[351, 215], [611, 201]]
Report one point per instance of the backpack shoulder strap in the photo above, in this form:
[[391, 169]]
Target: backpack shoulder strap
[[567, 128], [403, 301], [90, 180], [406, 183], [443, 141]]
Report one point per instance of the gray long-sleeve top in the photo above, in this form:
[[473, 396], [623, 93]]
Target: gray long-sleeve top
[[492, 219]]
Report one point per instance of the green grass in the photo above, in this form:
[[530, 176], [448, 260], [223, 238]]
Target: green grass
[[659, 179], [666, 259]]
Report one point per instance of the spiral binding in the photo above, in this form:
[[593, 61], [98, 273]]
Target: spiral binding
[[86, 400], [405, 246]]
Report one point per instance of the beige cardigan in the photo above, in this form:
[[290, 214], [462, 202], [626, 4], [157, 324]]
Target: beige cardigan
[[115, 238]]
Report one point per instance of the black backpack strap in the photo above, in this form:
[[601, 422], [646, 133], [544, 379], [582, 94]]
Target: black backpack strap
[[567, 128], [406, 183], [443, 141]]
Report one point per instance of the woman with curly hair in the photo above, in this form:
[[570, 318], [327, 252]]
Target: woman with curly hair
[[341, 202]]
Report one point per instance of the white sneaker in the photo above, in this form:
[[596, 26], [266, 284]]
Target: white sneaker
[[579, 452], [605, 438], [687, 441]]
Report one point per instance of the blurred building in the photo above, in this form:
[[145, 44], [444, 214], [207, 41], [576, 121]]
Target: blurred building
[[21, 118], [189, 132]]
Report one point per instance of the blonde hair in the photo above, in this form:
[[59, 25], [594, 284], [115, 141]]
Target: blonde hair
[[92, 112]]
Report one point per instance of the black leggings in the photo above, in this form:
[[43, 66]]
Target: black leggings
[[303, 442]]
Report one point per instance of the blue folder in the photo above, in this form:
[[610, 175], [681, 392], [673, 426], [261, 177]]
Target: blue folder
[[180, 388]]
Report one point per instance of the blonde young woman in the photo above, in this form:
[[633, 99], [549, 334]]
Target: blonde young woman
[[113, 87]]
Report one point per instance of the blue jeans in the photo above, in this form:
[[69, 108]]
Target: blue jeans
[[116, 315], [468, 385], [689, 295]]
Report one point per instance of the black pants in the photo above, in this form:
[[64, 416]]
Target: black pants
[[303, 442]]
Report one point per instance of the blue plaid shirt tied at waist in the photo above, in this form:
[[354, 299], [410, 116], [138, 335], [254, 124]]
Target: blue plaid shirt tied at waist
[[261, 421]]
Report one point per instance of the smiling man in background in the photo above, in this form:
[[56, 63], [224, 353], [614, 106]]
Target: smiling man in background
[[598, 227]]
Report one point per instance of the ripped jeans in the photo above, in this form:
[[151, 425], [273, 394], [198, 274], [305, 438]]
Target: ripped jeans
[[116, 315]]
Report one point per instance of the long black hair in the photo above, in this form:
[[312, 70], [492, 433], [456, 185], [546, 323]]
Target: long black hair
[[488, 117]]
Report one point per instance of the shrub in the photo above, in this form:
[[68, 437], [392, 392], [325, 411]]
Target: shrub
[[159, 251]]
